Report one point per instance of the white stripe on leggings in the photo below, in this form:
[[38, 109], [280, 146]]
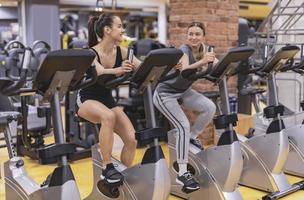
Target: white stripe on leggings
[[178, 125]]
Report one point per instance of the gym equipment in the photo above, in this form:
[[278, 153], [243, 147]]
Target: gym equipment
[[265, 154], [295, 161], [36, 119], [78, 44], [11, 58], [11, 55], [78, 131], [134, 108], [143, 46], [217, 168], [40, 49], [60, 71], [14, 53], [134, 105], [293, 128], [150, 179]]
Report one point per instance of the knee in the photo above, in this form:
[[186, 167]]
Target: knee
[[208, 109], [81, 111], [131, 143], [108, 118], [185, 127], [211, 109]]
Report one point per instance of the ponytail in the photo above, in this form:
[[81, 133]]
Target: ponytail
[[92, 35]]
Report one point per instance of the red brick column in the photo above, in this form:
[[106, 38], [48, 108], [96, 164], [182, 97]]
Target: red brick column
[[221, 20]]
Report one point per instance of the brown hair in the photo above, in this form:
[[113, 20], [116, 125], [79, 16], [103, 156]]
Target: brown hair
[[96, 27], [198, 24]]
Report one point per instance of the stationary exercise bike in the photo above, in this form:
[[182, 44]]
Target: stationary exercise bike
[[150, 179], [295, 161], [218, 168], [294, 129], [36, 119], [60, 71], [265, 154]]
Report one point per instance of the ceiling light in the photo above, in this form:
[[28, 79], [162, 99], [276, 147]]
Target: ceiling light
[[100, 4]]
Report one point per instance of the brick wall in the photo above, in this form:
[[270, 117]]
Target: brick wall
[[221, 20]]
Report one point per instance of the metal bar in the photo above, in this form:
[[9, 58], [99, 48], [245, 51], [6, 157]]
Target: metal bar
[[57, 123], [263, 33], [149, 110], [272, 88], [292, 17], [287, 14], [291, 7], [302, 52], [255, 101], [287, 21], [149, 107], [9, 142], [270, 16], [295, 20], [289, 33], [276, 195], [263, 24], [224, 96], [279, 10], [282, 44]]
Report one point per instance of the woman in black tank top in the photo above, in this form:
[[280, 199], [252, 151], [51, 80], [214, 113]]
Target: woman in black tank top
[[96, 103], [97, 91]]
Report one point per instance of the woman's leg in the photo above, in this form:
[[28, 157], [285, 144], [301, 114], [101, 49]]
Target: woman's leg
[[96, 112], [171, 109], [169, 106], [195, 101], [124, 128]]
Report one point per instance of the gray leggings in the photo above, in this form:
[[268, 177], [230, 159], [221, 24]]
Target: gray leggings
[[167, 103]]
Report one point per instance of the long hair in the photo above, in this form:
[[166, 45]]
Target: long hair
[[202, 51], [96, 26]]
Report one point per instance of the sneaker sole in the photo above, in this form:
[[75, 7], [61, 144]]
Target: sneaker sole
[[196, 146], [111, 180], [188, 188]]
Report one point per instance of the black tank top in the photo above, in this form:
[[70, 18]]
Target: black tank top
[[98, 90]]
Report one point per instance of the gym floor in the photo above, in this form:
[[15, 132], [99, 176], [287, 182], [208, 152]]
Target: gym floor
[[82, 170]]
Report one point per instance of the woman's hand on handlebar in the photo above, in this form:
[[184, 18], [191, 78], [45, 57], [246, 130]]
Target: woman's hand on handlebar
[[179, 66], [126, 66], [208, 58], [215, 61]]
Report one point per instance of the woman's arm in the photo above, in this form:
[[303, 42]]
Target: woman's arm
[[209, 57], [116, 71], [185, 63], [124, 52], [101, 70]]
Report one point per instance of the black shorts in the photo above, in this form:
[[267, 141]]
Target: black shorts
[[107, 100]]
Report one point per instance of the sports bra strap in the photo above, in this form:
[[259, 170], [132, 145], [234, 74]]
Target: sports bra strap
[[98, 59]]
